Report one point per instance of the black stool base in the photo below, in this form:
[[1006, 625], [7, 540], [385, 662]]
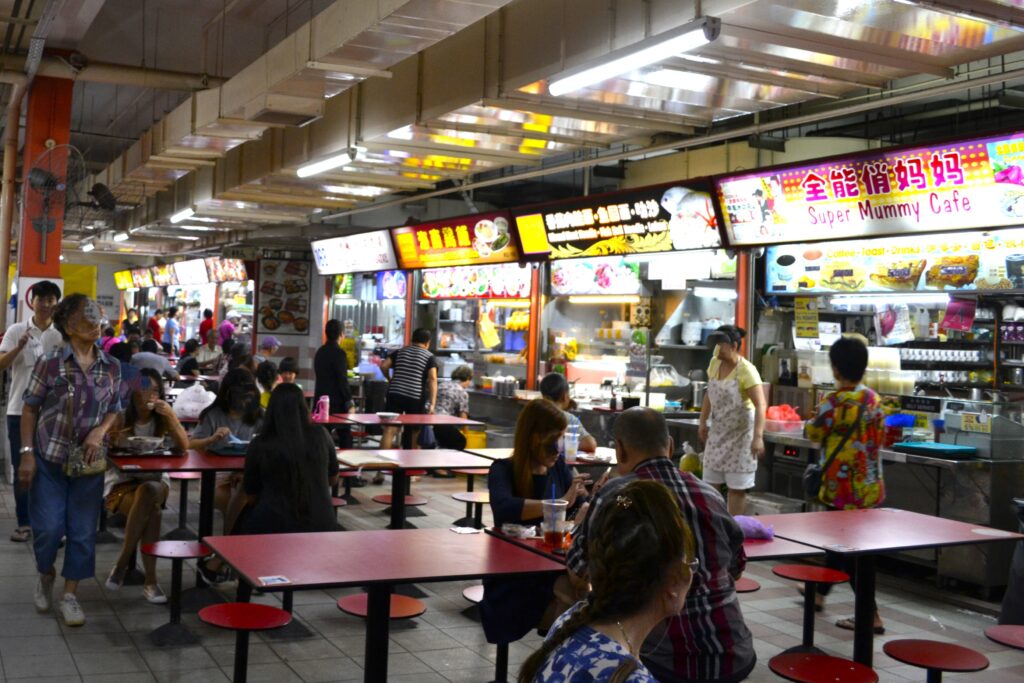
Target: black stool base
[[293, 631], [172, 635], [180, 534], [804, 650], [465, 521]]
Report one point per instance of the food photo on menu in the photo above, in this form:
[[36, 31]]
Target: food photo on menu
[[284, 296]]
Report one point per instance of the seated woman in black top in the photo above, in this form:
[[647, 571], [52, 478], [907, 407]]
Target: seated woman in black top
[[518, 485], [289, 470]]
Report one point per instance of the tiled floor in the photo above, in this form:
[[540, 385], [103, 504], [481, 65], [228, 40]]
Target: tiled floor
[[445, 644]]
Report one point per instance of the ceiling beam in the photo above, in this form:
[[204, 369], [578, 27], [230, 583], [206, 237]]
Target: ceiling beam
[[619, 116], [737, 73], [440, 126], [906, 62], [486, 155], [732, 54]]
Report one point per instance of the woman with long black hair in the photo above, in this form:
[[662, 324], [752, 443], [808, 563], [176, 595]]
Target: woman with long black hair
[[289, 470]]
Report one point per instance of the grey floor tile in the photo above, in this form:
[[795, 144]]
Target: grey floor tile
[[299, 650], [401, 663], [25, 666], [169, 660], [29, 624], [32, 645], [417, 678], [452, 659], [472, 675], [47, 679], [268, 673], [99, 642], [139, 677], [194, 676], [259, 653], [327, 670], [424, 639], [110, 662]]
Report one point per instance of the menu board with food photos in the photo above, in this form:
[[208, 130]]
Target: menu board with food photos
[[992, 260], [226, 269], [163, 276], [142, 277], [497, 281], [192, 272], [283, 297], [123, 279]]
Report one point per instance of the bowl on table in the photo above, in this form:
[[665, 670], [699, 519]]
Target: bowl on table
[[144, 444], [388, 417]]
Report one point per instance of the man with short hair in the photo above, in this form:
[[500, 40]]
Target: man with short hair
[[172, 331], [206, 325], [330, 372], [555, 388], [708, 641], [413, 373], [209, 355], [154, 324], [188, 364], [23, 345], [148, 357]]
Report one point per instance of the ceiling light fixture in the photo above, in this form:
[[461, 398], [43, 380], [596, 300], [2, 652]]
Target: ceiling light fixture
[[120, 236], [353, 153], [87, 246], [187, 212], [649, 51]]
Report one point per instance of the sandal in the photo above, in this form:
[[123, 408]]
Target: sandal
[[22, 534], [849, 625]]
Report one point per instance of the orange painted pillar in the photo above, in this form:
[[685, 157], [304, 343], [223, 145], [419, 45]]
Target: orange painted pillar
[[48, 123], [744, 296], [533, 334]]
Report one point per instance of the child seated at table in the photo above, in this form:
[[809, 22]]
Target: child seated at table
[[511, 607], [266, 379], [140, 497], [290, 468], [642, 557]]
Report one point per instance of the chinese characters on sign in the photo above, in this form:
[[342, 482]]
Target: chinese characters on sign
[[479, 239], [976, 183], [645, 221], [363, 253]]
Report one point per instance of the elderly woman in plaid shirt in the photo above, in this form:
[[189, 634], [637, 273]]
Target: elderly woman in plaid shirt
[[72, 401]]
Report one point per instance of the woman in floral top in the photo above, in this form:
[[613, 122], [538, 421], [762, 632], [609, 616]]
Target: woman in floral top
[[849, 419]]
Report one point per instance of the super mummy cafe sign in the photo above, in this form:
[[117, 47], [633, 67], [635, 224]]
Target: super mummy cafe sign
[[970, 184]]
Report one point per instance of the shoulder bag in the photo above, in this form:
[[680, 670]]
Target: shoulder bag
[[76, 465], [815, 473]]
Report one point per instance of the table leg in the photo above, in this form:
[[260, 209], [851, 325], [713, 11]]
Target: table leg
[[398, 487], [378, 607], [864, 613], [207, 491]]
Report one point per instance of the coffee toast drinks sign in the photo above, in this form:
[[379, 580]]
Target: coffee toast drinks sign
[[971, 184]]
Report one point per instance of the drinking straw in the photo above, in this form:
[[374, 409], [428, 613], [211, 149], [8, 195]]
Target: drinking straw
[[553, 495]]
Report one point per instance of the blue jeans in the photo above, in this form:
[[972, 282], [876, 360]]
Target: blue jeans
[[20, 495], [64, 506]]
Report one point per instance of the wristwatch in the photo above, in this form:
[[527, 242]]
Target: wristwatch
[[26, 449]]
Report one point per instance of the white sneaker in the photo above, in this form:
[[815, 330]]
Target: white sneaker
[[154, 595], [71, 611], [44, 592]]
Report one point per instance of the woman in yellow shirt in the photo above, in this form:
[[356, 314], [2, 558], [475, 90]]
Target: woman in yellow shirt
[[732, 418]]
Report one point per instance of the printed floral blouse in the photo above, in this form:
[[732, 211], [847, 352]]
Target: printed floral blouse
[[854, 479]]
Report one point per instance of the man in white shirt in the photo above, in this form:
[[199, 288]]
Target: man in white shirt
[[23, 344], [209, 354]]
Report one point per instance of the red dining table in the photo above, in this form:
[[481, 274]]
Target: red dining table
[[377, 560], [863, 534], [433, 420], [777, 549], [398, 461]]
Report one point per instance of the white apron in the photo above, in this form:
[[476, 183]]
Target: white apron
[[730, 429]]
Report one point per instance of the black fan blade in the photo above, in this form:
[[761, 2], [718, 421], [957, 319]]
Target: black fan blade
[[42, 180], [105, 199]]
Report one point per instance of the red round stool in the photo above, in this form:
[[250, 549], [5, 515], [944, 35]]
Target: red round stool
[[402, 607], [243, 618], [474, 594], [174, 632], [182, 533], [477, 499], [935, 657], [807, 667], [1010, 635], [811, 576], [470, 475], [745, 585]]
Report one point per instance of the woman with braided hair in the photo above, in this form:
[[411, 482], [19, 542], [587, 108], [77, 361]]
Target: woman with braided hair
[[641, 564]]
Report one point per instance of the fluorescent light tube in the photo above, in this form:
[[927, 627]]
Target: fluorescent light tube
[[644, 53], [120, 236], [187, 212], [351, 154], [88, 246]]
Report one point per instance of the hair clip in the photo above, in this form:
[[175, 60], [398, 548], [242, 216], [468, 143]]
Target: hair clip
[[623, 501]]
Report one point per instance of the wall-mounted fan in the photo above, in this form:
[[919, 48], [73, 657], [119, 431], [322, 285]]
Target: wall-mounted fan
[[50, 187]]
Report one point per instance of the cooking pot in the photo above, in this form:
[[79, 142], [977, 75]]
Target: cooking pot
[[699, 389]]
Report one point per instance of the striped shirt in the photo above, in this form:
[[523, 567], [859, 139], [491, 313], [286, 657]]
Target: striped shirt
[[409, 368], [58, 381], [709, 639]]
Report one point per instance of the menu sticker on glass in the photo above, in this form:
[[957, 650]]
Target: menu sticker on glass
[[483, 238], [123, 279], [366, 252], [643, 221], [970, 184], [613, 275], [283, 297], [501, 281], [982, 261]]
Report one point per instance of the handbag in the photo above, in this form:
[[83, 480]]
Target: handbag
[[75, 465], [814, 473]]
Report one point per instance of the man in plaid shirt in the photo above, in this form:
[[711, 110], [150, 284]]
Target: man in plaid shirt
[[709, 640]]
